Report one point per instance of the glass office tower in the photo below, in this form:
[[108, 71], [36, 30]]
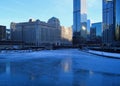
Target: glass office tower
[[111, 22], [80, 18], [76, 15]]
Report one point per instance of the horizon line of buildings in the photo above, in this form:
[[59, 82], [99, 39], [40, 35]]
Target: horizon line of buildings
[[106, 33], [36, 33]]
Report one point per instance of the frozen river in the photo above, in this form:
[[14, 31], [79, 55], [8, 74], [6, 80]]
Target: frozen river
[[58, 68]]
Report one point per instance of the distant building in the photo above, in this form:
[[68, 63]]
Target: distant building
[[111, 22], [88, 26], [66, 35], [2, 33], [8, 34], [96, 32], [37, 33], [98, 27]]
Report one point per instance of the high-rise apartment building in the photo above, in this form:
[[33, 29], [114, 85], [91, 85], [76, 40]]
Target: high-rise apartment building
[[111, 22], [79, 18]]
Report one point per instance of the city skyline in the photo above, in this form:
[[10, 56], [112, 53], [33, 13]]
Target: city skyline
[[12, 10]]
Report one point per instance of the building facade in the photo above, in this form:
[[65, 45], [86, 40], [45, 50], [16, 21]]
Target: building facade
[[38, 33], [111, 22], [2, 33], [79, 20], [66, 35]]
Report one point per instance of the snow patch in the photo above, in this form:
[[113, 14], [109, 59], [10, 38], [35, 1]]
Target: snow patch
[[104, 53]]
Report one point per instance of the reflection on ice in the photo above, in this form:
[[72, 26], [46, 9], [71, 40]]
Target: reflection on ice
[[91, 72], [67, 64], [8, 68], [59, 68]]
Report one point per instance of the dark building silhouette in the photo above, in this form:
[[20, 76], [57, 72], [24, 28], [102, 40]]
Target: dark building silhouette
[[2, 32], [92, 34]]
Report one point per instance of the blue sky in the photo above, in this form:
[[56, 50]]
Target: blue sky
[[23, 10]]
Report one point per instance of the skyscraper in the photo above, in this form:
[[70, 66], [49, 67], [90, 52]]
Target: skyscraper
[[111, 22], [76, 15], [80, 18]]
